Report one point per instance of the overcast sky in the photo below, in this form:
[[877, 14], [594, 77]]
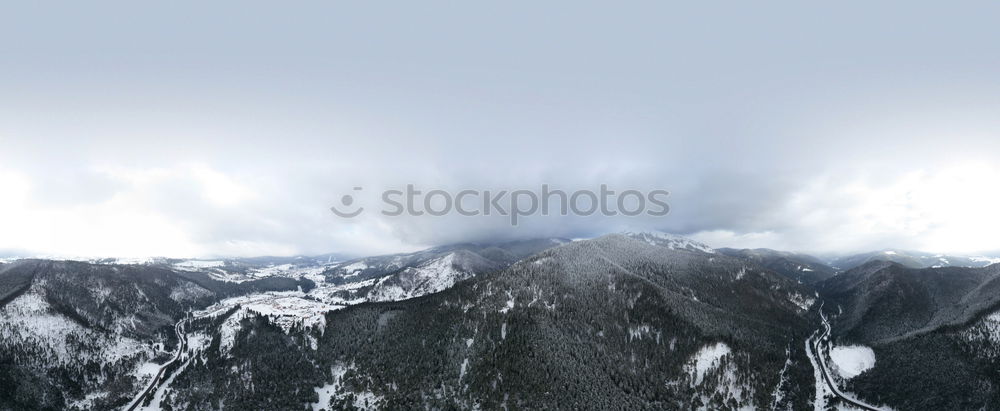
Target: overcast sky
[[207, 129]]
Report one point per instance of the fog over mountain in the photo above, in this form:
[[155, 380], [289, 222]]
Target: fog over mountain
[[155, 130]]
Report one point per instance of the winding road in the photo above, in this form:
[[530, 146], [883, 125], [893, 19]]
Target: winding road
[[161, 374], [814, 349]]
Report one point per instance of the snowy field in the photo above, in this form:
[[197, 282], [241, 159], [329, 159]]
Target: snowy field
[[852, 360]]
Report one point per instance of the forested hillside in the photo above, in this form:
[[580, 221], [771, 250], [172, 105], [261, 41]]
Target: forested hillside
[[611, 322]]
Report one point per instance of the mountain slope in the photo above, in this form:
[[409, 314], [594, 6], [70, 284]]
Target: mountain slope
[[935, 333], [80, 330], [615, 322], [884, 300], [799, 267], [431, 276], [75, 334], [401, 276], [499, 255], [949, 368]]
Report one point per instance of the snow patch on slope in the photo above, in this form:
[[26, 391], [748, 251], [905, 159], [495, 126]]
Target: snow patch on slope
[[983, 337], [337, 389], [638, 332], [779, 393], [803, 302], [30, 319], [985, 260], [717, 381], [88, 400], [354, 268], [706, 359], [287, 309], [431, 277], [991, 328], [228, 330]]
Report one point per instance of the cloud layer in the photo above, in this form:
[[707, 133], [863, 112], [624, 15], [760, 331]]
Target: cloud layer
[[232, 130]]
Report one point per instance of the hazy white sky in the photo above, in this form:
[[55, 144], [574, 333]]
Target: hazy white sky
[[193, 129]]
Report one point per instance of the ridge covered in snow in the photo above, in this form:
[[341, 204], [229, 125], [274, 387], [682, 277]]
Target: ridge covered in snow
[[671, 241], [430, 277], [30, 318]]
